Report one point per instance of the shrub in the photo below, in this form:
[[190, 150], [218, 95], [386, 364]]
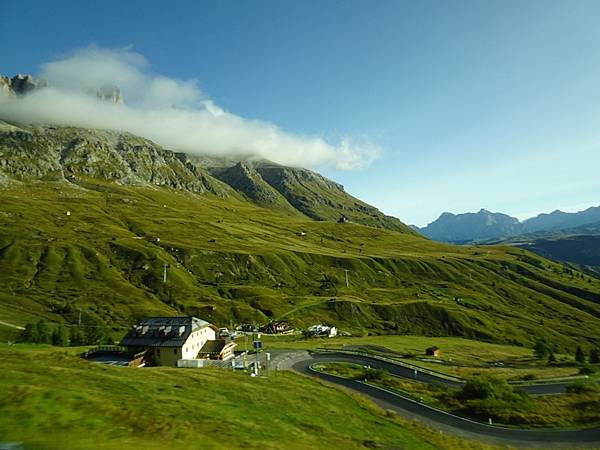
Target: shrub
[[60, 337], [579, 355], [370, 374], [595, 355], [541, 349], [485, 387], [581, 387], [587, 370], [489, 397]]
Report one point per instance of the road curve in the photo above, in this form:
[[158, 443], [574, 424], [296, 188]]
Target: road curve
[[440, 420]]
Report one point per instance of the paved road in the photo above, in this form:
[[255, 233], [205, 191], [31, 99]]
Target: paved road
[[442, 421]]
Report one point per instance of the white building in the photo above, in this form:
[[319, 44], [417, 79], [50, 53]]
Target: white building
[[322, 331], [169, 339]]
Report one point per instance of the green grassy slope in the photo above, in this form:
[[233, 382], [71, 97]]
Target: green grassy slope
[[230, 260], [53, 400]]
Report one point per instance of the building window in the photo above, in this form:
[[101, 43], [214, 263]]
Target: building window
[[158, 352], [175, 351]]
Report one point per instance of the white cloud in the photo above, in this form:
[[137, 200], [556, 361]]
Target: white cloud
[[173, 113]]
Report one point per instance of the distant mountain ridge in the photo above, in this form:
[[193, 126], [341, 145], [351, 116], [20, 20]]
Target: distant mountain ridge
[[485, 225], [559, 220], [468, 227]]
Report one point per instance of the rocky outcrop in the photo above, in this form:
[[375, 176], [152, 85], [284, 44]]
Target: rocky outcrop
[[306, 191], [111, 94], [24, 84], [77, 155], [71, 154], [244, 178]]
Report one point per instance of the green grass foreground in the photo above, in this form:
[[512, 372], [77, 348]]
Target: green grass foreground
[[50, 398]]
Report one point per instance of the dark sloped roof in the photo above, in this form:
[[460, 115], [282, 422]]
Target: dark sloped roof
[[163, 331], [215, 346]]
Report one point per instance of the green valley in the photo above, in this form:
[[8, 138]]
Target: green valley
[[93, 246]]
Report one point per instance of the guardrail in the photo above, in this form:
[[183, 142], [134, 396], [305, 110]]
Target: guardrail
[[104, 349], [549, 380], [394, 361], [450, 377]]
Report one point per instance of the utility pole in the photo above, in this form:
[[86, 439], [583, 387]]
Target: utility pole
[[347, 283]]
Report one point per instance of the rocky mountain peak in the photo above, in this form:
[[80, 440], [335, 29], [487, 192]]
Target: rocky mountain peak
[[22, 84], [110, 93]]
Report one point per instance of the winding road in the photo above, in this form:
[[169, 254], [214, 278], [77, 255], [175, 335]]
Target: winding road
[[445, 422]]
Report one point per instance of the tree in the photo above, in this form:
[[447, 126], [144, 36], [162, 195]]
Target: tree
[[43, 332], [96, 334], [60, 337], [77, 336], [579, 355], [595, 355], [29, 334], [541, 349]]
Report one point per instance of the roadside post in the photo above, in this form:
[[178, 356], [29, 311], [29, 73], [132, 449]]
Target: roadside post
[[257, 345], [268, 355]]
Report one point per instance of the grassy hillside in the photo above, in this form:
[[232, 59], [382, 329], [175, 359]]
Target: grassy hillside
[[52, 399], [101, 247]]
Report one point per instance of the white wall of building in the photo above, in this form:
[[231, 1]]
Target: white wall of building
[[196, 340]]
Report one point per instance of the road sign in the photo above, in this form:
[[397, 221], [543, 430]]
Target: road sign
[[257, 345]]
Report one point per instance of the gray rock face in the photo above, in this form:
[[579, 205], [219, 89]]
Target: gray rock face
[[24, 84], [110, 94], [313, 195], [79, 155], [5, 87], [74, 154], [244, 178]]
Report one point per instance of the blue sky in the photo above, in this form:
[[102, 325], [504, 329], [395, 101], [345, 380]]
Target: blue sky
[[492, 104]]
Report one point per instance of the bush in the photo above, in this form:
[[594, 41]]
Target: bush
[[581, 387], [541, 349], [587, 370], [579, 355], [486, 397], [528, 377], [595, 355], [60, 337], [370, 374], [485, 387]]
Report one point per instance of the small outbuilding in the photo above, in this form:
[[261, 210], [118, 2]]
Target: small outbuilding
[[275, 327], [321, 331], [217, 349], [433, 351]]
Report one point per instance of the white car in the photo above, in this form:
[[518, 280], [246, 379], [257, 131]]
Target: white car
[[223, 332]]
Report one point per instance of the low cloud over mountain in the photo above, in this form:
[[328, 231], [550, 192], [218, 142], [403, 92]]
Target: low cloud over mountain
[[174, 113]]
